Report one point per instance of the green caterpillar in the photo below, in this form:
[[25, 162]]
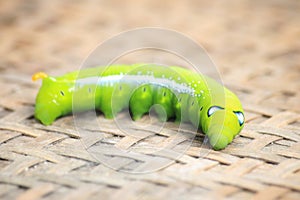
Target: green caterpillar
[[183, 95]]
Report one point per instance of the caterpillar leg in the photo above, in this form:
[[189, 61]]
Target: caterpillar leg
[[180, 108], [109, 103], [141, 101], [164, 98]]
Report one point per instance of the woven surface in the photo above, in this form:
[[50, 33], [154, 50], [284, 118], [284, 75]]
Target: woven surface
[[256, 46]]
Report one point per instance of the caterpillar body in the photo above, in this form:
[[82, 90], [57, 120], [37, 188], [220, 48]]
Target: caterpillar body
[[183, 95]]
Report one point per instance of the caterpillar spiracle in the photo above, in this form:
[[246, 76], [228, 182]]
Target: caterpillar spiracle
[[186, 96]]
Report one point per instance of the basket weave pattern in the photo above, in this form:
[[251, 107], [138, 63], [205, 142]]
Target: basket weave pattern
[[260, 63]]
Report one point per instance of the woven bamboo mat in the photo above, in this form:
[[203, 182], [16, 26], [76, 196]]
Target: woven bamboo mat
[[256, 46]]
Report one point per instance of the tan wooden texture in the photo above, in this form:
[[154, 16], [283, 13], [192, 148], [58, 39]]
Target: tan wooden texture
[[255, 45]]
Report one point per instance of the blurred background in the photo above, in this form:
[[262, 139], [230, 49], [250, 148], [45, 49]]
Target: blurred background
[[253, 43]]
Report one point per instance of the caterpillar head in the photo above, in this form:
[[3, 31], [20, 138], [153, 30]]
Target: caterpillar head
[[222, 121], [52, 99]]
